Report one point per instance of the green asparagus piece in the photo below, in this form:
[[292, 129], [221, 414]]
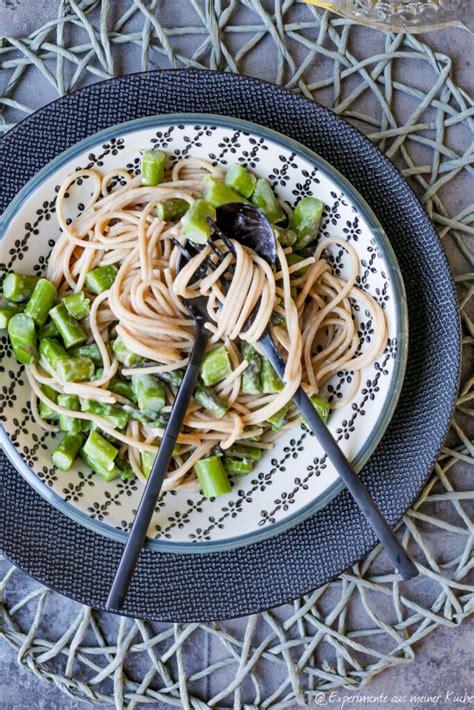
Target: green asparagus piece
[[212, 477], [245, 452], [68, 368], [65, 453], [322, 406], [159, 421], [44, 410], [295, 259], [75, 369], [203, 395], [22, 334], [123, 388], [117, 416], [238, 467], [92, 426], [286, 237], [153, 167], [147, 459], [195, 225], [126, 471], [135, 413], [66, 422], [48, 330], [101, 279], [42, 300], [251, 428], [278, 319], [278, 419], [240, 180], [52, 351], [27, 356], [70, 330], [207, 399], [264, 198], [171, 210], [124, 354], [8, 311], [77, 305], [91, 351], [217, 193], [104, 473], [100, 450], [150, 394], [173, 377], [18, 287], [305, 220], [271, 383], [250, 382], [21, 329], [215, 366]]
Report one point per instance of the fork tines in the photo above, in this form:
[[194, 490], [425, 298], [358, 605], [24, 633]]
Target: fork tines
[[187, 254], [217, 251], [189, 249], [220, 235]]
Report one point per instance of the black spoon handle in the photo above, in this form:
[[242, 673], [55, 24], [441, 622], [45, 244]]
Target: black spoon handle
[[136, 538], [359, 492]]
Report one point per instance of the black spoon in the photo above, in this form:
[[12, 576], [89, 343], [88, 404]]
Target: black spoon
[[249, 226]]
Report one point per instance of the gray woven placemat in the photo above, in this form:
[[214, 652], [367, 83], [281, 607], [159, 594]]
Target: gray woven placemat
[[366, 620]]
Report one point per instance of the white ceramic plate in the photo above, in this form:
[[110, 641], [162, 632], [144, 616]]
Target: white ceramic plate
[[294, 479]]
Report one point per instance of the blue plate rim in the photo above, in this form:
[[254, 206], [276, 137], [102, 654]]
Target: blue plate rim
[[106, 530]]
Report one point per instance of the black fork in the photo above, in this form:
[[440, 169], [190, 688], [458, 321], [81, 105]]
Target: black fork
[[197, 307]]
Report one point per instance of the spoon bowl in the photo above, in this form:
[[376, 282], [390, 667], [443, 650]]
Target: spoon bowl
[[249, 226]]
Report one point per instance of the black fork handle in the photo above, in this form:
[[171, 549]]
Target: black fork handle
[[137, 536], [359, 492]]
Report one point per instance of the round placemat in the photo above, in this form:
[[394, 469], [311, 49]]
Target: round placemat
[[80, 563], [364, 621]]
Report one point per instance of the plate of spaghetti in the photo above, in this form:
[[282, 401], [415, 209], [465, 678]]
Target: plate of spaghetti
[[97, 336]]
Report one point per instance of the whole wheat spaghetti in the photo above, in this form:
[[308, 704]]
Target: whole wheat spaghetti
[[308, 305]]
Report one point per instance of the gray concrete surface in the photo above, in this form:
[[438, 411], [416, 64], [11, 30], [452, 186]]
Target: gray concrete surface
[[444, 659]]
